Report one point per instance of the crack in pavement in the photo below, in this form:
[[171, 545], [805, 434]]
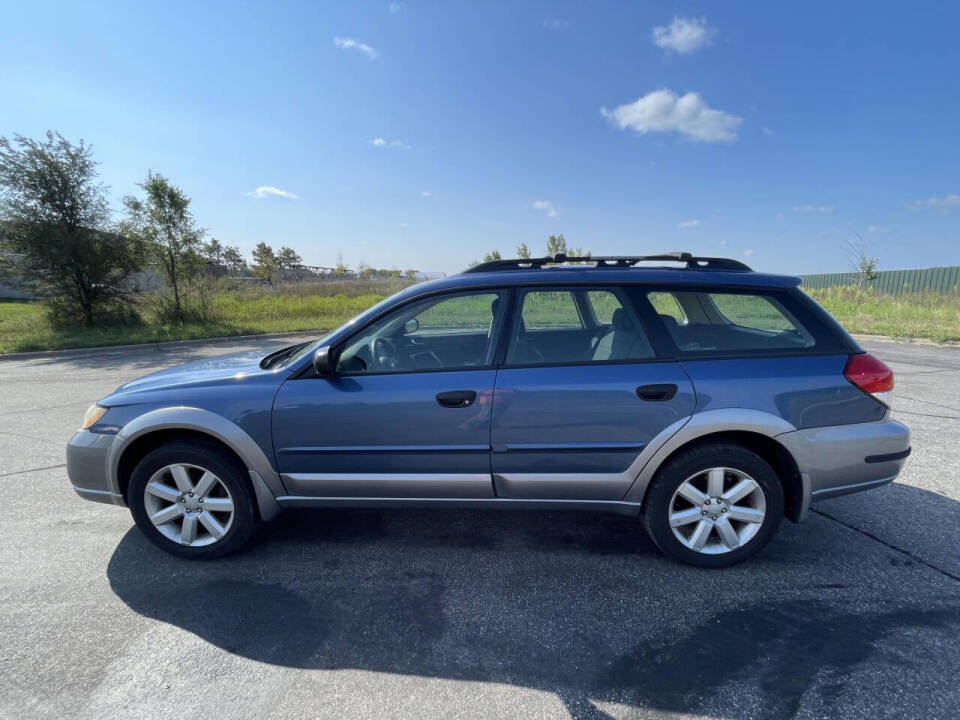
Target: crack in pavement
[[933, 415], [21, 472], [39, 409], [927, 402], [907, 553], [31, 437]]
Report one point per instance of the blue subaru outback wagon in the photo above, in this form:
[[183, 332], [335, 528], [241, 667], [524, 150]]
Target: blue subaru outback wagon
[[705, 398]]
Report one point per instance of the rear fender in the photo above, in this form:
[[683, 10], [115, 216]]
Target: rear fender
[[698, 426]]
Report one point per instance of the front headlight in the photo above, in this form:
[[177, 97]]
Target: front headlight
[[92, 416]]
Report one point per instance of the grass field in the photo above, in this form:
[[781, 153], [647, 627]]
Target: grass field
[[916, 315], [24, 326]]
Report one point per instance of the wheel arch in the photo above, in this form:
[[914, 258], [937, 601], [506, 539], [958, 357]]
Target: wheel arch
[[755, 430], [157, 427]]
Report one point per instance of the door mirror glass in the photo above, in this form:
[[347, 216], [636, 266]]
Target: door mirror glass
[[411, 326]]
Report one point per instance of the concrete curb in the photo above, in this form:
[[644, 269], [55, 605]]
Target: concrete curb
[[166, 344], [907, 341]]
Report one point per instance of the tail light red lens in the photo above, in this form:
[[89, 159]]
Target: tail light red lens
[[869, 374]]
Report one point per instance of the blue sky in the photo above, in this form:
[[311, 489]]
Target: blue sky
[[760, 131]]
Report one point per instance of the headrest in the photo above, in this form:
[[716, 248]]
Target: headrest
[[622, 320], [670, 321]]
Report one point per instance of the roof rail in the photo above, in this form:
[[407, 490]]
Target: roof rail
[[611, 261]]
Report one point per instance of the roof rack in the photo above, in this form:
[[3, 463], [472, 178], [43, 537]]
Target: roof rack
[[611, 261]]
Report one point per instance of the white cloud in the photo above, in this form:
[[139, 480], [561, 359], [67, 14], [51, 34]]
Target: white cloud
[[823, 209], [723, 243], [879, 229], [946, 204], [665, 111], [380, 142], [688, 224], [683, 35], [426, 193], [747, 253], [555, 24], [269, 191], [351, 44], [547, 207], [768, 132], [395, 7]]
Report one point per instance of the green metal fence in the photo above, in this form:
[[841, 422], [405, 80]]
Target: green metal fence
[[940, 280]]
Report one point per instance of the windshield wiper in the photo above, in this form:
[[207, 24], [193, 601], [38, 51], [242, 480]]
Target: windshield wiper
[[274, 357]]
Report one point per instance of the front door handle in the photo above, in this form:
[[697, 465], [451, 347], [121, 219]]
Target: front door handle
[[666, 391], [456, 398]]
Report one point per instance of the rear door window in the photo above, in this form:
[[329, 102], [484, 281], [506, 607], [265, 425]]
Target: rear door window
[[730, 322], [572, 326], [550, 310]]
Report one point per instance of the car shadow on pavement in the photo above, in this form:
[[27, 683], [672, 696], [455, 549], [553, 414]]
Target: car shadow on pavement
[[576, 604]]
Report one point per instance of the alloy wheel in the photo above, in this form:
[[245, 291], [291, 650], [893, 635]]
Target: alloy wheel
[[189, 504], [717, 510]]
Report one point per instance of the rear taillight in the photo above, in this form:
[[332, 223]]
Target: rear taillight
[[870, 375]]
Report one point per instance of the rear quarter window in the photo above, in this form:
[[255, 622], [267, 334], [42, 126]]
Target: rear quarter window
[[737, 322]]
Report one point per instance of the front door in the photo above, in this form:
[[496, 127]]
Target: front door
[[407, 413], [581, 394]]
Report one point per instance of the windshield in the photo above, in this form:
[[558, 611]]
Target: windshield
[[310, 347]]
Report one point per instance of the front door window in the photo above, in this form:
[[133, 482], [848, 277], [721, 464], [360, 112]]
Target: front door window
[[440, 333]]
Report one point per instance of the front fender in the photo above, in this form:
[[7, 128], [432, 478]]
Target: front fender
[[203, 421], [700, 425]]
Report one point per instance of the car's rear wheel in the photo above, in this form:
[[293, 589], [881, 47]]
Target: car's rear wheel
[[714, 505], [192, 500]]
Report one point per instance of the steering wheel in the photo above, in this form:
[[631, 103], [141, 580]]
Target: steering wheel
[[385, 353]]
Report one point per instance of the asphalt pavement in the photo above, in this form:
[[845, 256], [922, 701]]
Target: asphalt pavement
[[455, 614]]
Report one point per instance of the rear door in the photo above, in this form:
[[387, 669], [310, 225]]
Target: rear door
[[581, 392]]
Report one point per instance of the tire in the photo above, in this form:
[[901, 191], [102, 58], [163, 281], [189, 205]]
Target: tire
[[703, 523], [173, 471]]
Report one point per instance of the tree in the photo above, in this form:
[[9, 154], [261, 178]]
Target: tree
[[492, 255], [214, 252], [411, 274], [288, 259], [341, 270], [56, 237], [523, 251], [556, 245], [264, 262], [163, 221], [864, 266], [233, 257]]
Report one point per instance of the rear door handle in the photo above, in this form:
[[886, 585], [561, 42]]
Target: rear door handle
[[657, 392], [456, 398]]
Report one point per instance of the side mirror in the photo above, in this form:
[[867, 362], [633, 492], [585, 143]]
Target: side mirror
[[411, 326], [322, 362]]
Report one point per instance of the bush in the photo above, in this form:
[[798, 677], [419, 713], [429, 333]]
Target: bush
[[67, 315]]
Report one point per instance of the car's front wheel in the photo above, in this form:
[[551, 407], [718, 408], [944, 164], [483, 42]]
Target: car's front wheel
[[192, 500], [714, 505]]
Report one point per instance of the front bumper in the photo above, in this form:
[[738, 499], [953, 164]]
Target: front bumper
[[88, 467], [844, 459]]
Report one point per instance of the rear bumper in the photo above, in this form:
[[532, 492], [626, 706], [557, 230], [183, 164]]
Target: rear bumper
[[88, 467], [845, 459]]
